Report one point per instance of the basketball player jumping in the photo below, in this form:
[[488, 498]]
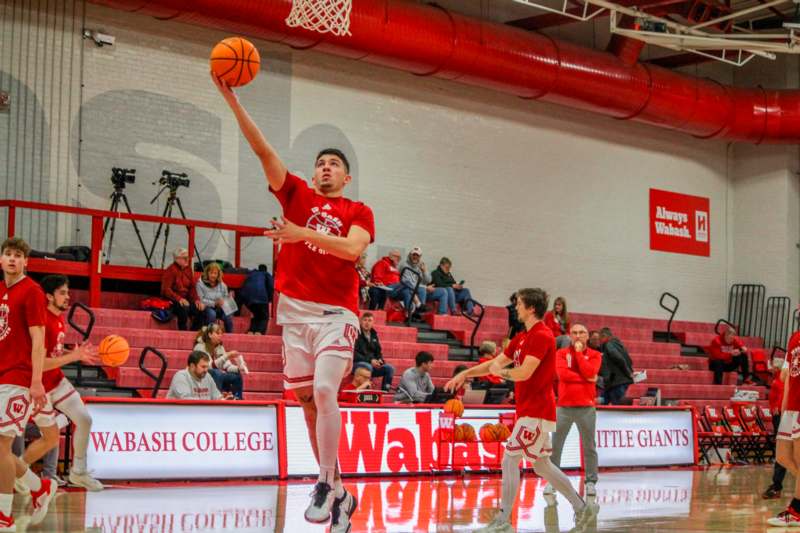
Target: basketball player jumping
[[22, 319], [533, 354], [61, 395], [321, 235]]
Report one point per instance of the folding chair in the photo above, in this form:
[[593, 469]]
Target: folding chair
[[748, 414], [714, 434], [744, 442], [765, 420]]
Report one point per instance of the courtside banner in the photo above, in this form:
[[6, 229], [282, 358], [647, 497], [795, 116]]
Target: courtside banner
[[679, 223], [182, 440], [383, 440]]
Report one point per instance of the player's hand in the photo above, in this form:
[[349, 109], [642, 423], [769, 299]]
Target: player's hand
[[38, 396], [456, 383], [200, 306], [225, 90], [87, 353], [285, 231], [579, 346]]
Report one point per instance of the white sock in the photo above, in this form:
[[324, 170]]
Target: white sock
[[74, 408], [78, 465], [32, 481], [545, 468], [327, 376], [6, 500], [511, 479], [338, 488]]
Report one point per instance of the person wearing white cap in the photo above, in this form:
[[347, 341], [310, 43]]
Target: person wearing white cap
[[426, 291]]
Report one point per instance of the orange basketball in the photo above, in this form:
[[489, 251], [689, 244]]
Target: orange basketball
[[502, 431], [468, 432], [235, 60], [113, 350], [487, 433], [454, 406], [459, 434]]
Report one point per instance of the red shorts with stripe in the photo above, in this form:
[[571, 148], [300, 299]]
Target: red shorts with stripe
[[789, 428], [304, 343], [531, 438]]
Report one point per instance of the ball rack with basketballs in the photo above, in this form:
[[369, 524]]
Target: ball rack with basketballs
[[450, 434]]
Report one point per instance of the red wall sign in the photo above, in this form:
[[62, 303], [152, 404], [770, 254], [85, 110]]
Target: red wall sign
[[679, 223]]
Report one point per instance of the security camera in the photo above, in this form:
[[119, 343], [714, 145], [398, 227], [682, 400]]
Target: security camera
[[99, 38]]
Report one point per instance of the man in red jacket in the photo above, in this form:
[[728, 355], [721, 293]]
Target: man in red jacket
[[178, 286], [726, 353], [577, 367], [386, 280]]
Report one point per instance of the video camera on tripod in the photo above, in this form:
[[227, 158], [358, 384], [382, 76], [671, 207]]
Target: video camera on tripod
[[173, 180], [121, 176]]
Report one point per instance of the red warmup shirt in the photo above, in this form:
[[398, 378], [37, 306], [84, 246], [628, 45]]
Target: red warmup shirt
[[776, 394], [384, 272], [554, 325], [534, 396], [22, 306], [304, 271], [574, 370], [54, 334], [720, 351], [793, 381], [177, 283]]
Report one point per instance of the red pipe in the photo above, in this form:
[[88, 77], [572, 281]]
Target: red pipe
[[429, 40]]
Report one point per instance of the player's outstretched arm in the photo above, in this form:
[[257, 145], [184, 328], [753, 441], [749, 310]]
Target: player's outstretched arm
[[274, 168], [349, 248], [483, 369], [520, 373], [37, 364], [85, 353]]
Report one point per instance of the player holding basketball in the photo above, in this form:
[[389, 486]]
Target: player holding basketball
[[533, 355], [321, 235], [61, 395], [788, 439], [22, 319]]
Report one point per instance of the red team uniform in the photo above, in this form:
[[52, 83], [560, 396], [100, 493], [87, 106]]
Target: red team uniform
[[22, 306], [57, 387], [319, 292], [789, 428], [535, 399]]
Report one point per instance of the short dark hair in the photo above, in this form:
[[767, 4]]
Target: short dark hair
[[367, 314], [459, 369], [338, 153], [262, 268], [423, 357], [606, 332], [534, 298], [197, 356], [16, 243], [52, 282]]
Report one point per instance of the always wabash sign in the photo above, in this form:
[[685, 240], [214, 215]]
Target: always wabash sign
[[679, 223]]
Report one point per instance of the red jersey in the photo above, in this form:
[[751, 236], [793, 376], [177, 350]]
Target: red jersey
[[304, 271], [555, 325], [720, 351], [793, 381], [384, 272], [54, 334], [22, 306], [574, 371], [776, 394], [534, 396]]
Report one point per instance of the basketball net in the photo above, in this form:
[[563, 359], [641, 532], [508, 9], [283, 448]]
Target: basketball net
[[322, 16]]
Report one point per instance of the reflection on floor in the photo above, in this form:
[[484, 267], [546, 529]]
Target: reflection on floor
[[720, 500]]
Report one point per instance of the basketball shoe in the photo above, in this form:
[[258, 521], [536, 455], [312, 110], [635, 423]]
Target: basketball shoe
[[7, 523], [343, 509], [787, 518], [319, 510], [41, 500], [499, 524]]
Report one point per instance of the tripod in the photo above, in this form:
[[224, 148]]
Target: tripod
[[172, 201], [116, 197]]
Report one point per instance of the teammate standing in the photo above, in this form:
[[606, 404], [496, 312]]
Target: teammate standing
[[61, 395], [321, 235], [22, 319], [533, 354]]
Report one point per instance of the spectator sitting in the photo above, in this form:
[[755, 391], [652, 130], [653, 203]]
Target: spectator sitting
[[558, 322], [177, 285], [368, 353], [727, 353], [193, 382], [486, 352], [256, 293], [361, 381], [456, 293], [616, 369], [364, 280], [226, 367], [385, 280], [594, 341], [426, 290], [416, 384], [212, 292], [514, 325]]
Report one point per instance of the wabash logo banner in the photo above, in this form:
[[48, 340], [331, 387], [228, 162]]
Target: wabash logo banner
[[679, 223]]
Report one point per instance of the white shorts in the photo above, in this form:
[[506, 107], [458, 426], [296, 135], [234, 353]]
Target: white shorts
[[304, 343], [15, 409], [789, 428], [46, 416], [531, 438]]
